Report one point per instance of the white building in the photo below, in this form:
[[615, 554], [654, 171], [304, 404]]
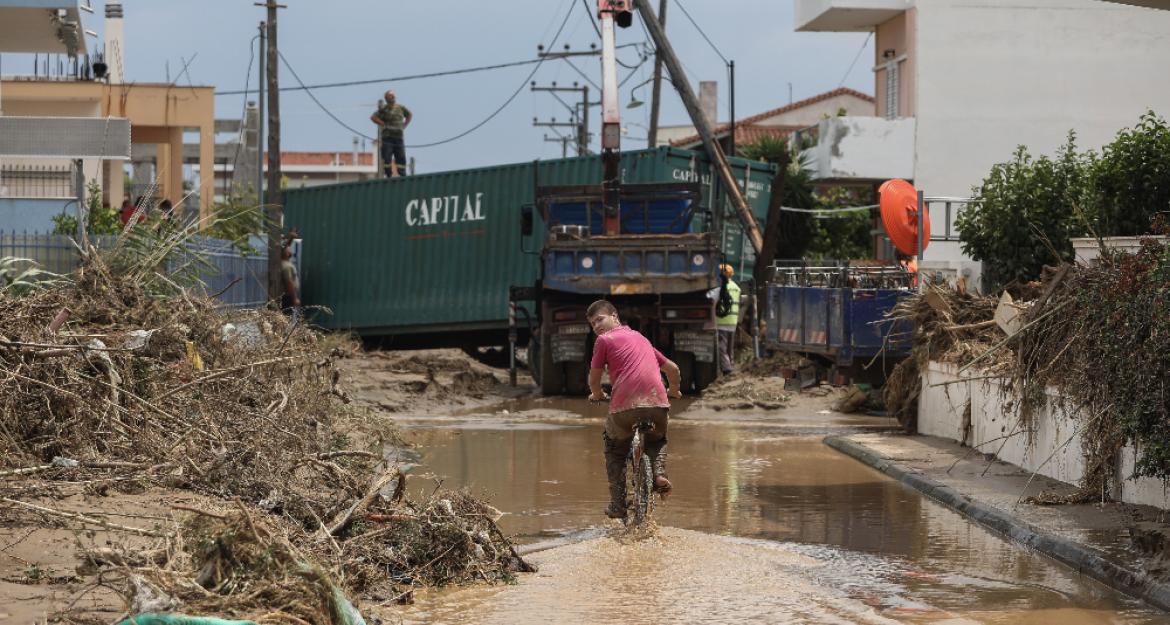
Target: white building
[[961, 83]]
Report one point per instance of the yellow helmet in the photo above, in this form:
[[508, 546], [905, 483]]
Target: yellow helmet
[[727, 270]]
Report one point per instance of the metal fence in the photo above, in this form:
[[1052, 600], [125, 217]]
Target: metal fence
[[37, 181], [235, 280]]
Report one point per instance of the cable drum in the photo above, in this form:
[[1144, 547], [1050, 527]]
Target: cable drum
[[899, 208]]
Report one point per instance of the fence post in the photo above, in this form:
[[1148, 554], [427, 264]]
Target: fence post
[[82, 213]]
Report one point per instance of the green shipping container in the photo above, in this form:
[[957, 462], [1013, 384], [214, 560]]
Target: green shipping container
[[436, 253]]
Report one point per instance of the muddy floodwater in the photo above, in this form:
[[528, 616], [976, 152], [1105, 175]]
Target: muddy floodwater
[[767, 524]]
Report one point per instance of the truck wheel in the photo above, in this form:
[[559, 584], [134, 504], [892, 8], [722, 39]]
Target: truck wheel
[[704, 375], [686, 370], [576, 378]]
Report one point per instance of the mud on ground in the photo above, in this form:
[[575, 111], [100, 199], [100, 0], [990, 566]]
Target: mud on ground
[[393, 383]]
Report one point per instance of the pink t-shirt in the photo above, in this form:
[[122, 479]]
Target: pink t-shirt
[[634, 368]]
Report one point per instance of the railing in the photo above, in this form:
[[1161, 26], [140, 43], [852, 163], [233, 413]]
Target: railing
[[234, 279], [951, 207], [37, 181]]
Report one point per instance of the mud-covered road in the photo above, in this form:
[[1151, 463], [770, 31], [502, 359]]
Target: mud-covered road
[[767, 524]]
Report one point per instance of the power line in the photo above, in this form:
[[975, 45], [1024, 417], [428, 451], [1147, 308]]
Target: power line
[[244, 113], [527, 80], [854, 63], [351, 83], [830, 211], [696, 25], [318, 102], [592, 20], [515, 93]]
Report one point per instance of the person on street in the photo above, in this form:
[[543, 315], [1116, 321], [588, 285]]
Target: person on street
[[126, 211], [392, 119], [727, 318], [638, 395], [290, 299]]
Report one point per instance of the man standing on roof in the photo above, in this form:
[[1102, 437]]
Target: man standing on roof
[[392, 118]]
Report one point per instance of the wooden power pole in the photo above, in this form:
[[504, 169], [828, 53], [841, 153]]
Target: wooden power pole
[[274, 199], [656, 96], [691, 102]]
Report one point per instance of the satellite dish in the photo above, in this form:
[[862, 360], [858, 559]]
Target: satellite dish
[[899, 208]]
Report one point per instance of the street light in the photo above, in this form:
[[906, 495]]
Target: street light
[[635, 102]]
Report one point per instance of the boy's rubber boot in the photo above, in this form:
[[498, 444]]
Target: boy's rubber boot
[[657, 452], [615, 471]]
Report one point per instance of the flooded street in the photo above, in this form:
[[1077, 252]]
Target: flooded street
[[767, 524]]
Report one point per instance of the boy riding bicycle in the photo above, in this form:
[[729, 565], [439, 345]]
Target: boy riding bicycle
[[638, 395]]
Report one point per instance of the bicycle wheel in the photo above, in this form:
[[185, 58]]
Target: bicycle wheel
[[643, 489]]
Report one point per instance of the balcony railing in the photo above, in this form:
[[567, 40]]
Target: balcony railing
[[37, 181]]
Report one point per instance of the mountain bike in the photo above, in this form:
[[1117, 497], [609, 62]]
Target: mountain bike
[[639, 477]]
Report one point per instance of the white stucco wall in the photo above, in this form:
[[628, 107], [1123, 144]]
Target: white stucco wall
[[813, 113], [863, 147], [995, 74], [1053, 449], [991, 75]]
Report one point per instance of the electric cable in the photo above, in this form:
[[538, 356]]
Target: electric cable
[[855, 58], [244, 107], [696, 25], [830, 211], [372, 81], [481, 124]]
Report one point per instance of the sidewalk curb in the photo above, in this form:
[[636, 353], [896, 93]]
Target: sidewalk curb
[[1079, 557]]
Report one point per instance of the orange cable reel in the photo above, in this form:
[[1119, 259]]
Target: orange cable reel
[[899, 208]]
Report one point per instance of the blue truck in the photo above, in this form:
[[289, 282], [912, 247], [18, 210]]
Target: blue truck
[[837, 312], [658, 270]]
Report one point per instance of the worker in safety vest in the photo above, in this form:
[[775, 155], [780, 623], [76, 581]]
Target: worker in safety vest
[[910, 265], [727, 317]]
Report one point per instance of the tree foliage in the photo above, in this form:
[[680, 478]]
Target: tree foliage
[[1025, 216], [1130, 183], [1028, 208], [841, 236], [100, 219]]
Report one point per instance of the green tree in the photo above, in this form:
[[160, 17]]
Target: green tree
[[842, 236], [1026, 213], [101, 219], [1130, 183], [237, 218]]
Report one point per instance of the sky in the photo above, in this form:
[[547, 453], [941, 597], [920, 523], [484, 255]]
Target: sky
[[352, 40]]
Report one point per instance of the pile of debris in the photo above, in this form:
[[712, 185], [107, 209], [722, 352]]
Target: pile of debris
[[951, 326], [113, 382], [1097, 333]]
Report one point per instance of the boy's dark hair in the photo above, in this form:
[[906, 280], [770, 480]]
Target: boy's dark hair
[[602, 307]]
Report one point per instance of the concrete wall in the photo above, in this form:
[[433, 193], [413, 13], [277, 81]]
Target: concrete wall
[[898, 35], [994, 74], [1052, 448], [864, 148], [31, 214]]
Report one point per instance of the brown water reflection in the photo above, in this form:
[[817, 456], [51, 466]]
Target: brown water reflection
[[825, 538]]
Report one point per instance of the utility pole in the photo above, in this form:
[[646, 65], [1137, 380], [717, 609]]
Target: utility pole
[[714, 152], [580, 123], [731, 136], [652, 134], [553, 123], [260, 118], [563, 140], [274, 206]]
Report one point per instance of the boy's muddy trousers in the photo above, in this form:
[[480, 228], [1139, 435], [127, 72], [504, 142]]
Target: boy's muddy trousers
[[615, 468]]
